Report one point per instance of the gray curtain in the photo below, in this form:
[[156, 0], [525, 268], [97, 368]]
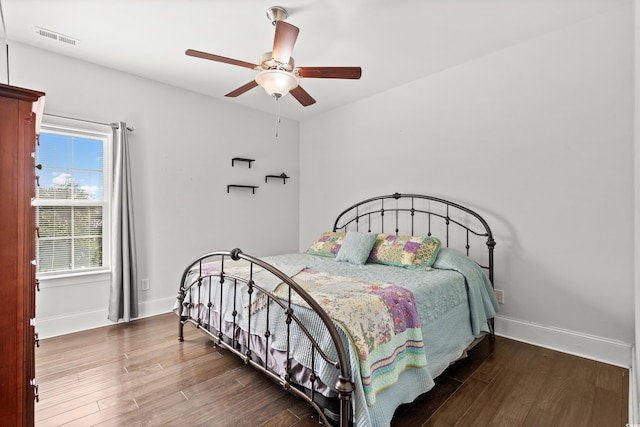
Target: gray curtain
[[123, 298]]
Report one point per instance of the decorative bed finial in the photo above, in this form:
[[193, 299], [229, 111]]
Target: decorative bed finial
[[235, 254]]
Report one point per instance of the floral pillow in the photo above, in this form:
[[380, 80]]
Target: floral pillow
[[415, 252], [328, 244]]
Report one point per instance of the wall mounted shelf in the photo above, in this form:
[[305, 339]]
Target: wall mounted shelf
[[241, 159], [252, 187], [283, 176]]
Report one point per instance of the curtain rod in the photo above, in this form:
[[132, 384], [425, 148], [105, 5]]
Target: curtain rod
[[111, 125]]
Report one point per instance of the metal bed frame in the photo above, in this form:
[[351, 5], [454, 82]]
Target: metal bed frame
[[373, 214]]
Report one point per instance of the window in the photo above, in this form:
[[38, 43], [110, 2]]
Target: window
[[72, 200]]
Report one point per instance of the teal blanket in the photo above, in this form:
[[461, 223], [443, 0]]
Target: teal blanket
[[482, 301]]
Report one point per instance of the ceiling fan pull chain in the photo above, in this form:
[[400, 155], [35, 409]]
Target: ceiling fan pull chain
[[277, 114]]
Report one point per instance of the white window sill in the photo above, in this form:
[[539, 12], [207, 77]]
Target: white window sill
[[75, 278]]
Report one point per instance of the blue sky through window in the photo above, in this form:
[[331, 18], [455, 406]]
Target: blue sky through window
[[69, 159]]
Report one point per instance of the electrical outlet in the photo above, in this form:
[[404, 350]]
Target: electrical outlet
[[499, 295], [144, 284]]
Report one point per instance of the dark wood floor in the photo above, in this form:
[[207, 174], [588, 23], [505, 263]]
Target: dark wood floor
[[139, 374]]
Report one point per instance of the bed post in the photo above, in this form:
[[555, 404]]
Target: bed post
[[181, 296], [345, 389], [491, 244]]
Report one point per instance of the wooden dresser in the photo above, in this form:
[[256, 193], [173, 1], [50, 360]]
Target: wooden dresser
[[20, 112]]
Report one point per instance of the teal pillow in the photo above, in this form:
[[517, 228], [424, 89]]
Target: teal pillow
[[356, 247]]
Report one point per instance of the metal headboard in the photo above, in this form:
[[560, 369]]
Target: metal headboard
[[417, 211]]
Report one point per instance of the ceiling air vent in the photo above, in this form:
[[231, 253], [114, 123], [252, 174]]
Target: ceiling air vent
[[57, 36]]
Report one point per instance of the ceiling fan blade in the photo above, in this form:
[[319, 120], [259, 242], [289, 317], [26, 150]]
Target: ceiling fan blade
[[242, 89], [284, 40], [330, 72], [217, 58], [302, 96]]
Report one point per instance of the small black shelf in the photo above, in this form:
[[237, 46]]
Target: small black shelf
[[241, 159], [252, 187], [283, 176]]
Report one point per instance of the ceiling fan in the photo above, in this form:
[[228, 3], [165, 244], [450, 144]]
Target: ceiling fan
[[277, 72]]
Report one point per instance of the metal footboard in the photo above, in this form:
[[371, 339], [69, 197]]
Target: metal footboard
[[191, 286]]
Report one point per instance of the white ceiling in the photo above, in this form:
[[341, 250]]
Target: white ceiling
[[394, 41]]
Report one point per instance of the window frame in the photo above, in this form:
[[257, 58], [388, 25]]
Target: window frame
[[107, 139]]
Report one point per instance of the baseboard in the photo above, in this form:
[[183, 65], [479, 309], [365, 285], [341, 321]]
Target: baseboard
[[155, 307], [60, 325], [588, 346], [76, 322], [591, 347]]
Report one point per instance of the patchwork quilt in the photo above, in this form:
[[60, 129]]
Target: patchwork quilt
[[381, 321]]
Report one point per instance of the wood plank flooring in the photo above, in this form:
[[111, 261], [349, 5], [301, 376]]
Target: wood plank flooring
[[139, 374]]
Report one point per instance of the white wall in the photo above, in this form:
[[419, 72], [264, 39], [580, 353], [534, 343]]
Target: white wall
[[634, 394], [181, 152], [3, 62], [538, 139]]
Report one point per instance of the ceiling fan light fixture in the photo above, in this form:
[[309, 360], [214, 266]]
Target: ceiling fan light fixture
[[276, 83]]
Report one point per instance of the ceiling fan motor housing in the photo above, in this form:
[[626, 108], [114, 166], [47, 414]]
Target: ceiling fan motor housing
[[267, 62], [277, 13]]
